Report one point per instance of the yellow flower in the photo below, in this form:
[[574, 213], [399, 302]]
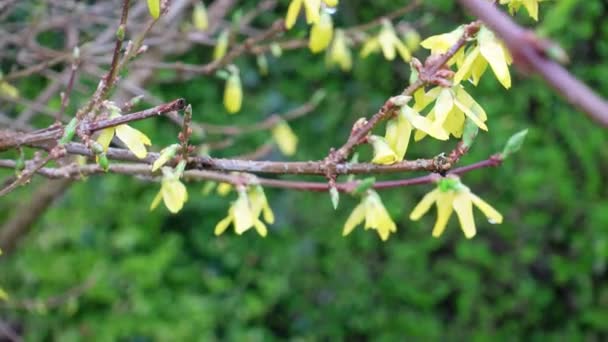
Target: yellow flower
[[488, 50], [7, 89], [375, 215], [154, 8], [135, 140], [199, 16], [259, 204], [383, 153], [530, 5], [233, 93], [452, 105], [388, 42], [321, 33], [339, 53], [412, 39], [221, 46], [245, 211], [224, 189], [399, 130], [311, 7], [331, 3], [451, 195], [285, 138], [441, 43], [172, 191]]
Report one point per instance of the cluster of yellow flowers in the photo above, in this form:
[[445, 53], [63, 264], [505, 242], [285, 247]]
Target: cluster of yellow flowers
[[449, 195], [244, 213], [439, 112], [452, 104]]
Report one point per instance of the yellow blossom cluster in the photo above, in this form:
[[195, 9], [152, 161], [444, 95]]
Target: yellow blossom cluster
[[244, 213]]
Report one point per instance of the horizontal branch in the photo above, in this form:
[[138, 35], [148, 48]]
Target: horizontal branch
[[74, 171], [10, 139], [318, 167]]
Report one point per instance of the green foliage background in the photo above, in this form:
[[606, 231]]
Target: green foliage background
[[158, 277]]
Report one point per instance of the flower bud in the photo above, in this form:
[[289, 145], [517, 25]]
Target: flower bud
[[233, 93]]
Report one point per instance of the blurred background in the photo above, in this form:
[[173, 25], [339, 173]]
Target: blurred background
[[98, 265]]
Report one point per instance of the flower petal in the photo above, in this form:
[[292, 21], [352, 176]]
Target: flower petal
[[370, 46], [356, 217], [156, 200], [444, 210], [260, 227], [403, 137], [243, 218], [134, 139], [424, 124], [321, 34], [312, 8], [467, 66], [464, 209], [443, 105], [463, 97], [174, 195], [221, 226], [233, 94], [492, 214], [285, 138], [493, 52], [404, 52], [424, 205], [532, 8], [292, 13], [471, 115], [105, 137]]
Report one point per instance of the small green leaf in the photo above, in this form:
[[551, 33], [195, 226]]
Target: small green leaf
[[103, 161], [470, 133], [413, 75], [514, 144], [222, 74], [364, 185], [318, 96], [334, 194], [120, 33], [19, 164], [68, 132]]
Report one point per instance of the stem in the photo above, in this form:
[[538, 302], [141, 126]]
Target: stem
[[75, 171]]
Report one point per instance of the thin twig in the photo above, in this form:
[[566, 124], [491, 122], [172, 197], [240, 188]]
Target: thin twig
[[75, 171]]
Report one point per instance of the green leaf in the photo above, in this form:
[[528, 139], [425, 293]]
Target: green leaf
[[68, 133], [514, 144], [470, 133], [334, 194], [364, 185]]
